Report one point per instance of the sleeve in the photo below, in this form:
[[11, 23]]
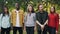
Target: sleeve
[[57, 22], [22, 12], [47, 15], [59, 19], [23, 16], [36, 17], [11, 17], [0, 20]]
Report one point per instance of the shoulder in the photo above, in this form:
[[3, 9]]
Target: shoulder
[[46, 12], [37, 12], [1, 14], [57, 15], [13, 10], [9, 13], [25, 13], [34, 14], [21, 11]]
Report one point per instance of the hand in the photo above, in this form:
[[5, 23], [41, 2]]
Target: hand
[[56, 32], [35, 29], [42, 27], [24, 29]]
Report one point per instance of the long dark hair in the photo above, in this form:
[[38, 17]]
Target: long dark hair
[[4, 11], [32, 8]]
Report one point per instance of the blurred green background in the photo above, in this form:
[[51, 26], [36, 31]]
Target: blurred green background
[[23, 5]]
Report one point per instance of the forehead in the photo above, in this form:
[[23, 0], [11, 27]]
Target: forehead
[[40, 5], [52, 8], [5, 8], [16, 4], [29, 6]]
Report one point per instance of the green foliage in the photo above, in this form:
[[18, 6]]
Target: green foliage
[[23, 4]]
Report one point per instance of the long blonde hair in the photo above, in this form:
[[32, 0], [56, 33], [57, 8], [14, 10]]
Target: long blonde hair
[[28, 8]]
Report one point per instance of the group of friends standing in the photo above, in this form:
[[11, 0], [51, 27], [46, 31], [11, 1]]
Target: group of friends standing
[[29, 21]]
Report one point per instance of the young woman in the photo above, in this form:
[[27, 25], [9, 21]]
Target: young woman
[[53, 21], [41, 20], [30, 19], [17, 19], [5, 21]]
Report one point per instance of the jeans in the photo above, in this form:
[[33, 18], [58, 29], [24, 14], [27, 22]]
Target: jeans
[[51, 30], [39, 31], [5, 30], [19, 29], [30, 30]]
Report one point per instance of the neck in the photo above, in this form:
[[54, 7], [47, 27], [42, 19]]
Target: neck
[[17, 8], [52, 12], [29, 12], [6, 13], [41, 11]]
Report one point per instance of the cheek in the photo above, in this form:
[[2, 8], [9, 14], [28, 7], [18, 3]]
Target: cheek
[[5, 10], [52, 10], [40, 8], [30, 9]]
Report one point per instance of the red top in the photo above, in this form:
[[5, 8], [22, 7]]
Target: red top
[[53, 20]]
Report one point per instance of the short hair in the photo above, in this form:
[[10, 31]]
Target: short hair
[[18, 5], [39, 5]]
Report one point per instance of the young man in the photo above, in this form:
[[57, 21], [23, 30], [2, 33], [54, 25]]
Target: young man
[[41, 19], [17, 19]]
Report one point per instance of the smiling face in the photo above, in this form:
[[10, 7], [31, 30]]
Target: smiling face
[[30, 8], [52, 9], [5, 10]]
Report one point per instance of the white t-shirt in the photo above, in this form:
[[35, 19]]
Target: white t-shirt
[[17, 19]]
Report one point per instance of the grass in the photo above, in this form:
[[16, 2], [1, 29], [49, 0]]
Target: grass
[[59, 30]]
